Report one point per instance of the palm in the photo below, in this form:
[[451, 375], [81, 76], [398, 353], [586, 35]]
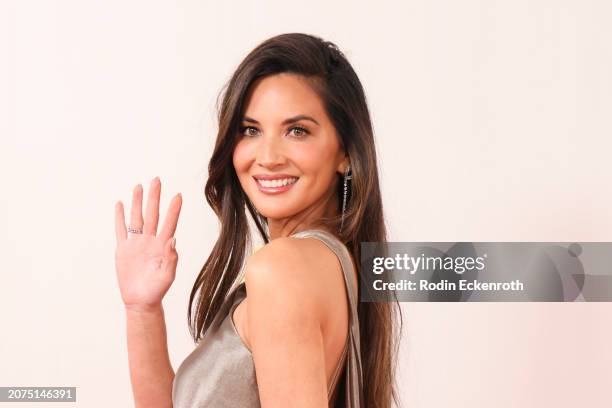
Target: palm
[[146, 263]]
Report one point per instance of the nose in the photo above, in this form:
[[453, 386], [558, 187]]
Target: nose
[[270, 152]]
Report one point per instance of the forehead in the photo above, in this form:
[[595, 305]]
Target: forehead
[[281, 96]]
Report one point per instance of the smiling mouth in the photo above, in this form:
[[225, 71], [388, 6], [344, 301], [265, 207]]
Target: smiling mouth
[[277, 185]]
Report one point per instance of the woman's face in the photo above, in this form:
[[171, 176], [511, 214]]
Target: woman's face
[[287, 137]]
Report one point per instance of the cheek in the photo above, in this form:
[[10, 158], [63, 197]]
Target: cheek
[[320, 157], [317, 164], [240, 157], [310, 157]]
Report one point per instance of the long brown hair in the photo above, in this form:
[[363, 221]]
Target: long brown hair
[[332, 77]]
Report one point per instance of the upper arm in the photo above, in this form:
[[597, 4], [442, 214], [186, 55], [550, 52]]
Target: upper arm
[[284, 326]]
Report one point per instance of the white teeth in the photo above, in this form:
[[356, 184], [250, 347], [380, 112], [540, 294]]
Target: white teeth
[[277, 183]]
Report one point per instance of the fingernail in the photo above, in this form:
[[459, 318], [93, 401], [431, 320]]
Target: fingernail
[[173, 243]]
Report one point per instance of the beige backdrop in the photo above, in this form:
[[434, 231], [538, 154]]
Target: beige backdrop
[[492, 123]]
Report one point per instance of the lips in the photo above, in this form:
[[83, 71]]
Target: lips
[[276, 184], [272, 176]]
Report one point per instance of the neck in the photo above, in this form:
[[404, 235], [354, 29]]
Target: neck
[[307, 219]]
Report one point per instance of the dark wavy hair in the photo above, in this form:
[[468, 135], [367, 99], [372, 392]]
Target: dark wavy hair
[[330, 74]]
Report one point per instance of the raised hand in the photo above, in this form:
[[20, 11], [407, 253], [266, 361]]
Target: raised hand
[[146, 261]]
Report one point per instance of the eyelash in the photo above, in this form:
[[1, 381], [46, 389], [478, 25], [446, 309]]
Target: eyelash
[[304, 131]]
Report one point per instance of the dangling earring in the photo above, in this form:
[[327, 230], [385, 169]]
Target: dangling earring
[[347, 177]]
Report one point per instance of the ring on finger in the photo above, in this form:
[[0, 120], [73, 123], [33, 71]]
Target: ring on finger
[[134, 231]]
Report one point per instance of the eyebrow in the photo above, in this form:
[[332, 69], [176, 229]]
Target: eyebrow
[[286, 121]]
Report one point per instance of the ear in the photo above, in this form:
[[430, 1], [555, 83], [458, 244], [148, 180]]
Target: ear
[[343, 165]]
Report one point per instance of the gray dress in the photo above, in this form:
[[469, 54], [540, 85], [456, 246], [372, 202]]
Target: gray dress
[[220, 372]]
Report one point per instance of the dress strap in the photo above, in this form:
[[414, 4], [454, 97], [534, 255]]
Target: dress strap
[[336, 373], [343, 255]]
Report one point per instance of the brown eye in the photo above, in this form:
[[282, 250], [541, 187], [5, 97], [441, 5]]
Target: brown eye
[[299, 131], [246, 130]]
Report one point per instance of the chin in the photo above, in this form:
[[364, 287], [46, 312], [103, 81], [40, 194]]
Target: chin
[[275, 213]]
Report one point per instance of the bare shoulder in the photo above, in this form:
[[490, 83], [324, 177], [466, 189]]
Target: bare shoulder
[[288, 301], [295, 271]]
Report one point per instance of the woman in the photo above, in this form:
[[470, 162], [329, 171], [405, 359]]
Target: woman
[[295, 148]]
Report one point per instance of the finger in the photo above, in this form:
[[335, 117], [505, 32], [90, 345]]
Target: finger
[[152, 212], [171, 219], [136, 210], [120, 230]]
